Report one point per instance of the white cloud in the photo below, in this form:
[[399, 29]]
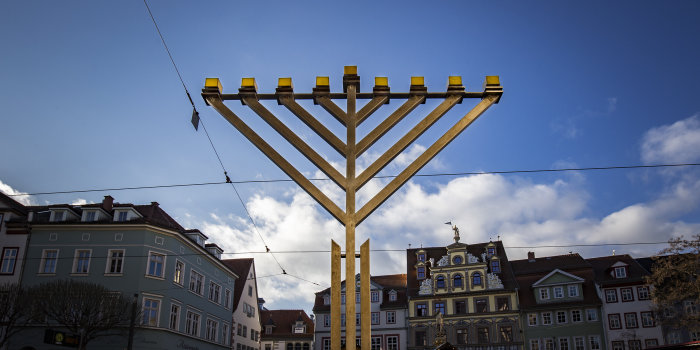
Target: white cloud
[[675, 143], [81, 201], [19, 196]]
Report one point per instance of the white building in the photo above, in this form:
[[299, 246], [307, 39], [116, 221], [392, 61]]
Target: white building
[[246, 318]]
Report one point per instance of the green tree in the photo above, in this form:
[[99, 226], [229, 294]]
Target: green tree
[[86, 309], [674, 275], [14, 311]]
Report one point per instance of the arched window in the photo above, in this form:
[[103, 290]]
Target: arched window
[[297, 346], [290, 346], [476, 279], [457, 281], [440, 282], [306, 346]]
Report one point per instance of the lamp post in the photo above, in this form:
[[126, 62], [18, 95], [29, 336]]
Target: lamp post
[[351, 149]]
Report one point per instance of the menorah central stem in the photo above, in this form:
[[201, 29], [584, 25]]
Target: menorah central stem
[[350, 324]]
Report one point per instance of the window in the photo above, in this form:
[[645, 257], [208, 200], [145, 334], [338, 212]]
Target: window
[[579, 343], [621, 272], [392, 342], [532, 319], [576, 316], [342, 298], [326, 299], [690, 307], [192, 324], [90, 216], [227, 298], [573, 290], [482, 334], [9, 259], [250, 291], [506, 333], [326, 344], [635, 344], [534, 344], [224, 334], [48, 261], [421, 257], [481, 305], [245, 331], [695, 336], [491, 250], [558, 292], [563, 343], [495, 266], [544, 293], [214, 292], [502, 304], [549, 344], [357, 298], [421, 272], [643, 293], [561, 316], [421, 309], [673, 337], [546, 318], [614, 321], [651, 343], [626, 294], [174, 323], [462, 336], [156, 261], [376, 343], [457, 281], [457, 260], [58, 215], [439, 307], [375, 318], [326, 320], [391, 317], [618, 345], [594, 342], [647, 319], [591, 315], [150, 312], [82, 261], [460, 307], [374, 296], [115, 261], [420, 338], [476, 279], [631, 320], [610, 296], [342, 319], [440, 282], [392, 295], [122, 215], [196, 282], [212, 327], [179, 275]]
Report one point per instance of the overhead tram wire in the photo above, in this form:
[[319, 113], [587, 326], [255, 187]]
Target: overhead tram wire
[[375, 177], [194, 111]]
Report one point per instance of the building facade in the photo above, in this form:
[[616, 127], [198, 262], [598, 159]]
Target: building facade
[[627, 307], [286, 330], [14, 233], [462, 294], [246, 318], [559, 303], [388, 313], [180, 284]]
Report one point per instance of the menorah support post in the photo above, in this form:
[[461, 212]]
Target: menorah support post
[[335, 296]]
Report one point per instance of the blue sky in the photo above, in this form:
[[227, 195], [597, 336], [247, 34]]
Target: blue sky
[[90, 100]]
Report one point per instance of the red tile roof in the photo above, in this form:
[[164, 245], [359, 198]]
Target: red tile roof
[[242, 268], [283, 322]]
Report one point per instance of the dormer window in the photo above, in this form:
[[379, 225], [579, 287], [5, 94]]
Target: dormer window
[[58, 215], [457, 260], [421, 257], [421, 272], [299, 328], [90, 216], [122, 216], [392, 295], [495, 266], [491, 250], [268, 329], [326, 299], [621, 272]]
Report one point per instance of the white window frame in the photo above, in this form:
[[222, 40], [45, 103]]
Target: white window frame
[[192, 323], [227, 298], [544, 319], [564, 344], [375, 320], [193, 282], [534, 344], [392, 295], [580, 316], [212, 331], [558, 292], [579, 343], [179, 279], [374, 296], [560, 313], [174, 316], [45, 259], [573, 288], [620, 272], [595, 315], [145, 311], [214, 292], [225, 333], [326, 320], [392, 345], [110, 259], [151, 255], [76, 258], [10, 259], [391, 317], [530, 318], [594, 340], [544, 294]]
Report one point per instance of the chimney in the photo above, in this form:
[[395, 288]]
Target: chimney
[[155, 204], [107, 203], [531, 256]]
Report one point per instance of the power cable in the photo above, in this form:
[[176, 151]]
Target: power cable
[[375, 177], [195, 113]]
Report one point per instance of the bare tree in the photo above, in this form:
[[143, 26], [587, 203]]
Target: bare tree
[[87, 309], [676, 292], [14, 309]]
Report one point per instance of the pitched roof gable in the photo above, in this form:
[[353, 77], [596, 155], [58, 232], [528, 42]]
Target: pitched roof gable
[[547, 279], [242, 268]]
